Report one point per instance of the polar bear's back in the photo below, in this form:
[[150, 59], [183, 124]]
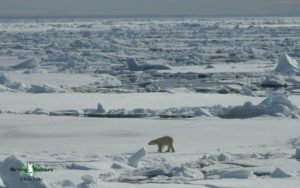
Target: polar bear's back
[[163, 140]]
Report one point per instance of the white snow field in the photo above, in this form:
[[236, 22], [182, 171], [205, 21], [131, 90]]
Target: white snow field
[[77, 146], [80, 98]]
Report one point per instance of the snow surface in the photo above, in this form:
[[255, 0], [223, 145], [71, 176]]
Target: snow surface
[[250, 145]]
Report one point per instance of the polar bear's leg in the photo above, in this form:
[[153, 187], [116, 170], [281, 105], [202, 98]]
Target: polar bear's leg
[[169, 148], [172, 148], [160, 147]]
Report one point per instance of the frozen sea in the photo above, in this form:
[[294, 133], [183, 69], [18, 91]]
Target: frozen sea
[[81, 96]]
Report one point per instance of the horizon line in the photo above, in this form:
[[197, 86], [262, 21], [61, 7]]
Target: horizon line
[[145, 16]]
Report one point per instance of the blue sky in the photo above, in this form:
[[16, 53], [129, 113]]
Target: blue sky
[[147, 7]]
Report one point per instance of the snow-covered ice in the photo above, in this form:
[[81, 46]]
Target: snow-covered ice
[[287, 65], [28, 64], [274, 105], [82, 95], [280, 173], [136, 157]]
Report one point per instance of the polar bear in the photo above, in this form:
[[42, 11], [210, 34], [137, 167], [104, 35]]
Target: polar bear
[[163, 141]]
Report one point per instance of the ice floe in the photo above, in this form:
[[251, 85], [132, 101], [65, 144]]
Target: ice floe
[[239, 174], [88, 181], [106, 80], [287, 65], [4, 79], [275, 104], [281, 173], [136, 157], [133, 65], [34, 88], [297, 155], [28, 64]]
